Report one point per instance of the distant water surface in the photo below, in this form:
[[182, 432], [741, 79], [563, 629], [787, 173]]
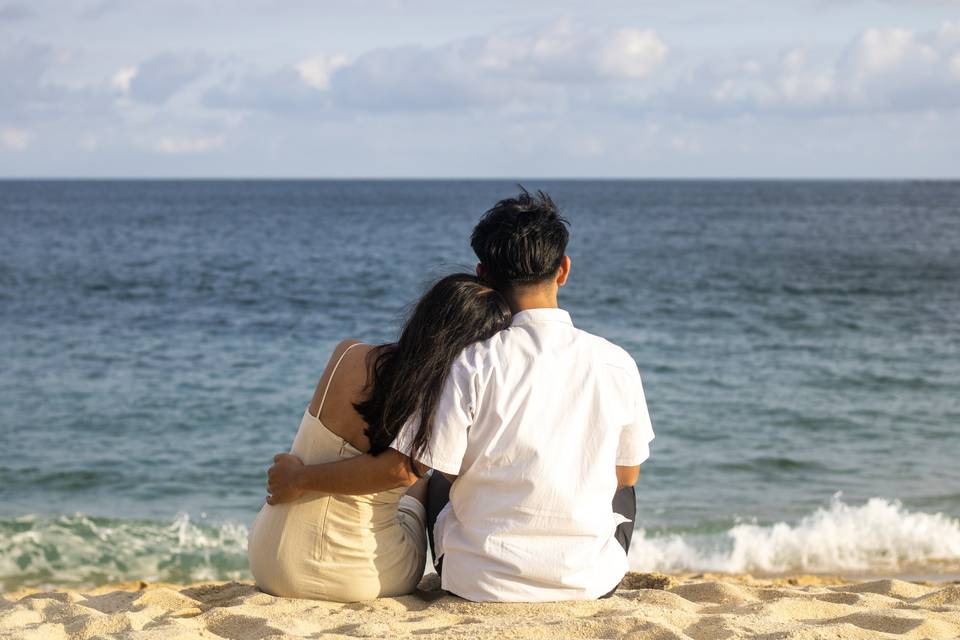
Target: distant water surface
[[159, 341]]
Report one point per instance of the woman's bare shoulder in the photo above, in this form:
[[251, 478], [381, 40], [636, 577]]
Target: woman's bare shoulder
[[348, 363], [347, 353], [342, 383], [345, 344]]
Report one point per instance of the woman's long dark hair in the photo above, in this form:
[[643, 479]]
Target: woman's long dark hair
[[408, 375]]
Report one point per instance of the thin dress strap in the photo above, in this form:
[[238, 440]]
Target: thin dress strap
[[330, 379]]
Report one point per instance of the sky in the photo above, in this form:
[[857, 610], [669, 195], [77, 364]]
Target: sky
[[418, 89]]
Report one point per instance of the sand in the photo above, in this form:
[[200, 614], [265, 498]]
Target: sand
[[647, 606]]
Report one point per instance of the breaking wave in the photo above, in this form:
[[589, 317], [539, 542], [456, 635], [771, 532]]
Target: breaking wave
[[82, 550], [878, 536]]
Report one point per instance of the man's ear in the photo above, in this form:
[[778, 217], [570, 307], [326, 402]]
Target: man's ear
[[564, 271], [480, 271]]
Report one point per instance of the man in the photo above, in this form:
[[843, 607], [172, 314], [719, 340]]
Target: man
[[536, 429]]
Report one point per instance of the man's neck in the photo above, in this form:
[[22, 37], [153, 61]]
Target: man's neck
[[538, 298]]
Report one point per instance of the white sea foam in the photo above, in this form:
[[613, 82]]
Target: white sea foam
[[879, 536], [82, 550]]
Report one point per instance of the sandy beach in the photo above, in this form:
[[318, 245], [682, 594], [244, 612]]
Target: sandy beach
[[647, 606]]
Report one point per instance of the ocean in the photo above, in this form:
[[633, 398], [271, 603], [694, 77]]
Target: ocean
[[799, 344]]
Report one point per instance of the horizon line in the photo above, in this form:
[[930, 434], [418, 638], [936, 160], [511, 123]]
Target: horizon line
[[484, 179]]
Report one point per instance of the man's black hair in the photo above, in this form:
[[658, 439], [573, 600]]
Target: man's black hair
[[521, 240]]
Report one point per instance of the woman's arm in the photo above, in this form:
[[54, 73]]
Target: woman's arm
[[289, 478]]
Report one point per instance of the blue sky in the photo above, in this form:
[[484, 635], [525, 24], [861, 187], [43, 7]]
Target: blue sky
[[270, 88]]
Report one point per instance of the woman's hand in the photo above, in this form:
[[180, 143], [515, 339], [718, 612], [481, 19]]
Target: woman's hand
[[284, 479]]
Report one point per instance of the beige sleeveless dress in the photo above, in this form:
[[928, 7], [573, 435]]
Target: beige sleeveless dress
[[332, 547]]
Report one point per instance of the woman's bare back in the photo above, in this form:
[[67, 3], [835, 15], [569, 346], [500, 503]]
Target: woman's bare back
[[347, 386]]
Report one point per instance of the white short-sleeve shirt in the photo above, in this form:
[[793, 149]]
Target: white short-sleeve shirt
[[534, 422]]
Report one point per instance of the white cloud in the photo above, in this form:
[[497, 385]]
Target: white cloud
[[564, 67], [545, 68], [594, 93], [897, 69], [878, 52], [881, 70], [186, 145], [632, 53], [882, 49], [800, 85], [564, 52], [15, 139], [316, 71], [121, 78]]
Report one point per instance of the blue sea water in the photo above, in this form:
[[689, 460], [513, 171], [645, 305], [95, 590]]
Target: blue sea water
[[799, 344]]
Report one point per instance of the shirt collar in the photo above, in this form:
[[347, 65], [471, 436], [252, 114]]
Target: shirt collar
[[530, 316]]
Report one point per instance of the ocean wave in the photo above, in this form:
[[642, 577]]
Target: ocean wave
[[82, 550], [877, 537], [880, 536]]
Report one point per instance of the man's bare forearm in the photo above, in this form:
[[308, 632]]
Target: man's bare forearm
[[360, 475], [627, 476]]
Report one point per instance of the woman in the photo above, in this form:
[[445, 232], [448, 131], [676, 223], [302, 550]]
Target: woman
[[351, 548]]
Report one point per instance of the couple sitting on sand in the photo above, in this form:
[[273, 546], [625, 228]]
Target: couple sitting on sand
[[534, 431]]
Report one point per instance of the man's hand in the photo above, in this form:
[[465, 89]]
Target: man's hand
[[284, 479]]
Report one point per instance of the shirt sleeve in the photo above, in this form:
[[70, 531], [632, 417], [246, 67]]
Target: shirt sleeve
[[636, 436], [454, 415]]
